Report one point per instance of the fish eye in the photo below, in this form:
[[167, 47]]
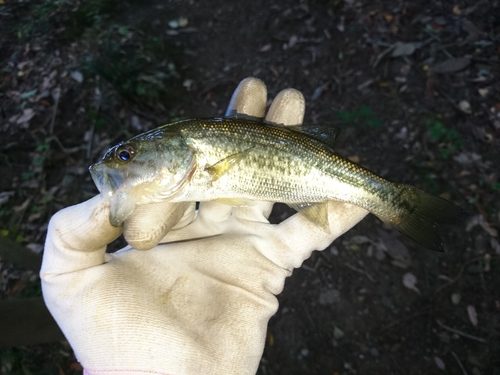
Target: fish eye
[[125, 153]]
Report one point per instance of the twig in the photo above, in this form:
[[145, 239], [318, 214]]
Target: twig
[[315, 268], [460, 273], [479, 339], [406, 318], [64, 149], [360, 271], [459, 363]]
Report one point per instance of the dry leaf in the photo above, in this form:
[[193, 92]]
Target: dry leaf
[[495, 245], [471, 311], [451, 65], [488, 228], [439, 363], [5, 196], [27, 115], [409, 281], [404, 49], [484, 92], [266, 47], [479, 220], [395, 248], [456, 10], [77, 76]]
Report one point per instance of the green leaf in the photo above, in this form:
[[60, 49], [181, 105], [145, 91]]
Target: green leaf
[[28, 94], [123, 30]]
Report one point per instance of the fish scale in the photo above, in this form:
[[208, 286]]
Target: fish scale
[[240, 161]]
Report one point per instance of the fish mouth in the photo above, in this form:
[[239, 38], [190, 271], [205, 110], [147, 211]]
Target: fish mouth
[[111, 185], [107, 181]]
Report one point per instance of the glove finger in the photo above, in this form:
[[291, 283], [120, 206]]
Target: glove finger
[[288, 109], [77, 237], [255, 211], [211, 220], [150, 223], [249, 99], [301, 236]]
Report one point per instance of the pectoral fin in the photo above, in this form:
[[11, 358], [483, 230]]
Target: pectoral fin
[[220, 168], [315, 212]]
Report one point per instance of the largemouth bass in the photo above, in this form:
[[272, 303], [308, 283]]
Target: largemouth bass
[[240, 161]]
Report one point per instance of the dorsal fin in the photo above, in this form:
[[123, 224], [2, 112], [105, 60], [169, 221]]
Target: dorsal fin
[[326, 134]]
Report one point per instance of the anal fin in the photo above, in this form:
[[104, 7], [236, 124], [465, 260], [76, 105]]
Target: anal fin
[[317, 213]]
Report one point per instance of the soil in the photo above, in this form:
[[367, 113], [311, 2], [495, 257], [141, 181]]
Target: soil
[[414, 87]]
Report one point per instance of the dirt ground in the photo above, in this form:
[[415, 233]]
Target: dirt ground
[[414, 86]]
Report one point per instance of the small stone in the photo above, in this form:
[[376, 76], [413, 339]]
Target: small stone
[[455, 298]]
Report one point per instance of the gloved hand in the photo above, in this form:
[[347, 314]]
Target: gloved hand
[[197, 303]]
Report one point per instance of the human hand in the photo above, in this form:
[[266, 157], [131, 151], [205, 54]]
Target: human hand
[[200, 301]]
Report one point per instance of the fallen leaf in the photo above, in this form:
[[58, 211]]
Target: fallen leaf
[[266, 47], [319, 90], [5, 196], [451, 65], [35, 247], [27, 115], [483, 92], [292, 41], [183, 21], [471, 311], [388, 17], [479, 220], [404, 49], [439, 363], [28, 94], [395, 248], [455, 298], [456, 10], [471, 29], [409, 281], [360, 240], [488, 228], [77, 76], [180, 22], [467, 158], [495, 245]]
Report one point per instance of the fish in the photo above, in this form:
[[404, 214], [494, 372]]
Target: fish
[[239, 161]]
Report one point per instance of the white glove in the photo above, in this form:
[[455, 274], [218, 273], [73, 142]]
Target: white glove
[[199, 302]]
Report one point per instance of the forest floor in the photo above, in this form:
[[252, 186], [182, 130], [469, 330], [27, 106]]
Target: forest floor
[[415, 86]]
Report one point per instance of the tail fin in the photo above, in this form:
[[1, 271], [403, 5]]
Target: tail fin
[[424, 214]]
